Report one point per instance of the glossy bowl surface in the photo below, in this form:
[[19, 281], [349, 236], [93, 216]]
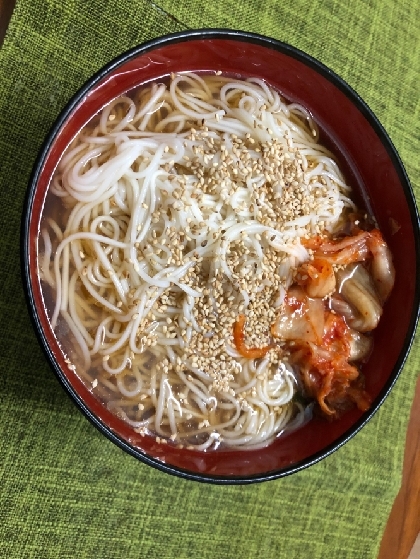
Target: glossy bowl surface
[[371, 165]]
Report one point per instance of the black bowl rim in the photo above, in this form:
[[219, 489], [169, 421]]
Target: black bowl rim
[[274, 44]]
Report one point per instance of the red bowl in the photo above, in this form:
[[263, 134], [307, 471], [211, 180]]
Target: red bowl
[[369, 161]]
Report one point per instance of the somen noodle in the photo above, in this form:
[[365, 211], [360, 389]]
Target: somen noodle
[[187, 210]]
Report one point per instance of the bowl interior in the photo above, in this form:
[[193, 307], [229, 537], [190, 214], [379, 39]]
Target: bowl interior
[[370, 165]]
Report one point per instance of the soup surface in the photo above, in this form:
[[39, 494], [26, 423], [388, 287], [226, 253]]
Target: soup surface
[[205, 267]]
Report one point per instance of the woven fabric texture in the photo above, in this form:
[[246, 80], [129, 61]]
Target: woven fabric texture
[[66, 491]]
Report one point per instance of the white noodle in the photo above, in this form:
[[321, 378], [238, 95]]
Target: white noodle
[[175, 202]]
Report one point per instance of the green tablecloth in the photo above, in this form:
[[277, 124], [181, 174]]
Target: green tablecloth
[[66, 491]]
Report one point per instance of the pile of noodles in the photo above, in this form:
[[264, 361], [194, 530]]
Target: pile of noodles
[[106, 249]]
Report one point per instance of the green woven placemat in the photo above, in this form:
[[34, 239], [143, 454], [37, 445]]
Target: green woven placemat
[[66, 491]]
